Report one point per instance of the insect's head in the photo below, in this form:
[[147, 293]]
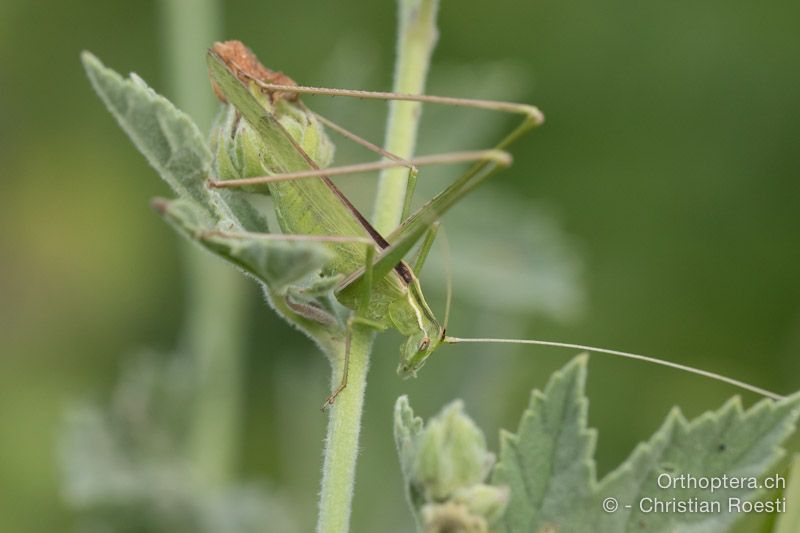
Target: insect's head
[[415, 352]]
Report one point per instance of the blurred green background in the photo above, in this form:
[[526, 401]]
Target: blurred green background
[[666, 186]]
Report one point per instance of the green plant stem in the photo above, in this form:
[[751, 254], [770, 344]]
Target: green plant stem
[[341, 443], [416, 40], [189, 27], [214, 326]]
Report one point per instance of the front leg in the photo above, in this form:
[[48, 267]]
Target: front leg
[[356, 318]]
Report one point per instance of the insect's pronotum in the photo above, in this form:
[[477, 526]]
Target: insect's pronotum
[[380, 288]]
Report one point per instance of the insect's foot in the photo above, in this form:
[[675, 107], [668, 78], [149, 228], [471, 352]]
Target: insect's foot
[[329, 402], [332, 398], [159, 205]]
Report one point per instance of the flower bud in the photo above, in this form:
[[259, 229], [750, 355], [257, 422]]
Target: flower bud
[[445, 464], [451, 454]]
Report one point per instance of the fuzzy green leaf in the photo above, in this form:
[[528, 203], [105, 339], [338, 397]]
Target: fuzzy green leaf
[[275, 262], [175, 148], [731, 442], [165, 135], [407, 429], [547, 464], [552, 476]]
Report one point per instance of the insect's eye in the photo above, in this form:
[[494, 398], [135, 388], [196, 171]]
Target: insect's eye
[[423, 345]]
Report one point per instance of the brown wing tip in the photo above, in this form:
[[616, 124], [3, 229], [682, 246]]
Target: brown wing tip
[[244, 64]]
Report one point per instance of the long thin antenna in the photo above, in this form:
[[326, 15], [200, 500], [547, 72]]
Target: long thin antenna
[[638, 357]]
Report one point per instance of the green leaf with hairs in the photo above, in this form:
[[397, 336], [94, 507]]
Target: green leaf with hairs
[[548, 464], [175, 148], [277, 263], [549, 467], [166, 136]]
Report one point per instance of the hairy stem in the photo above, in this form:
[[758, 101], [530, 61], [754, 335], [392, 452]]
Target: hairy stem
[[214, 326], [341, 443], [416, 39]]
